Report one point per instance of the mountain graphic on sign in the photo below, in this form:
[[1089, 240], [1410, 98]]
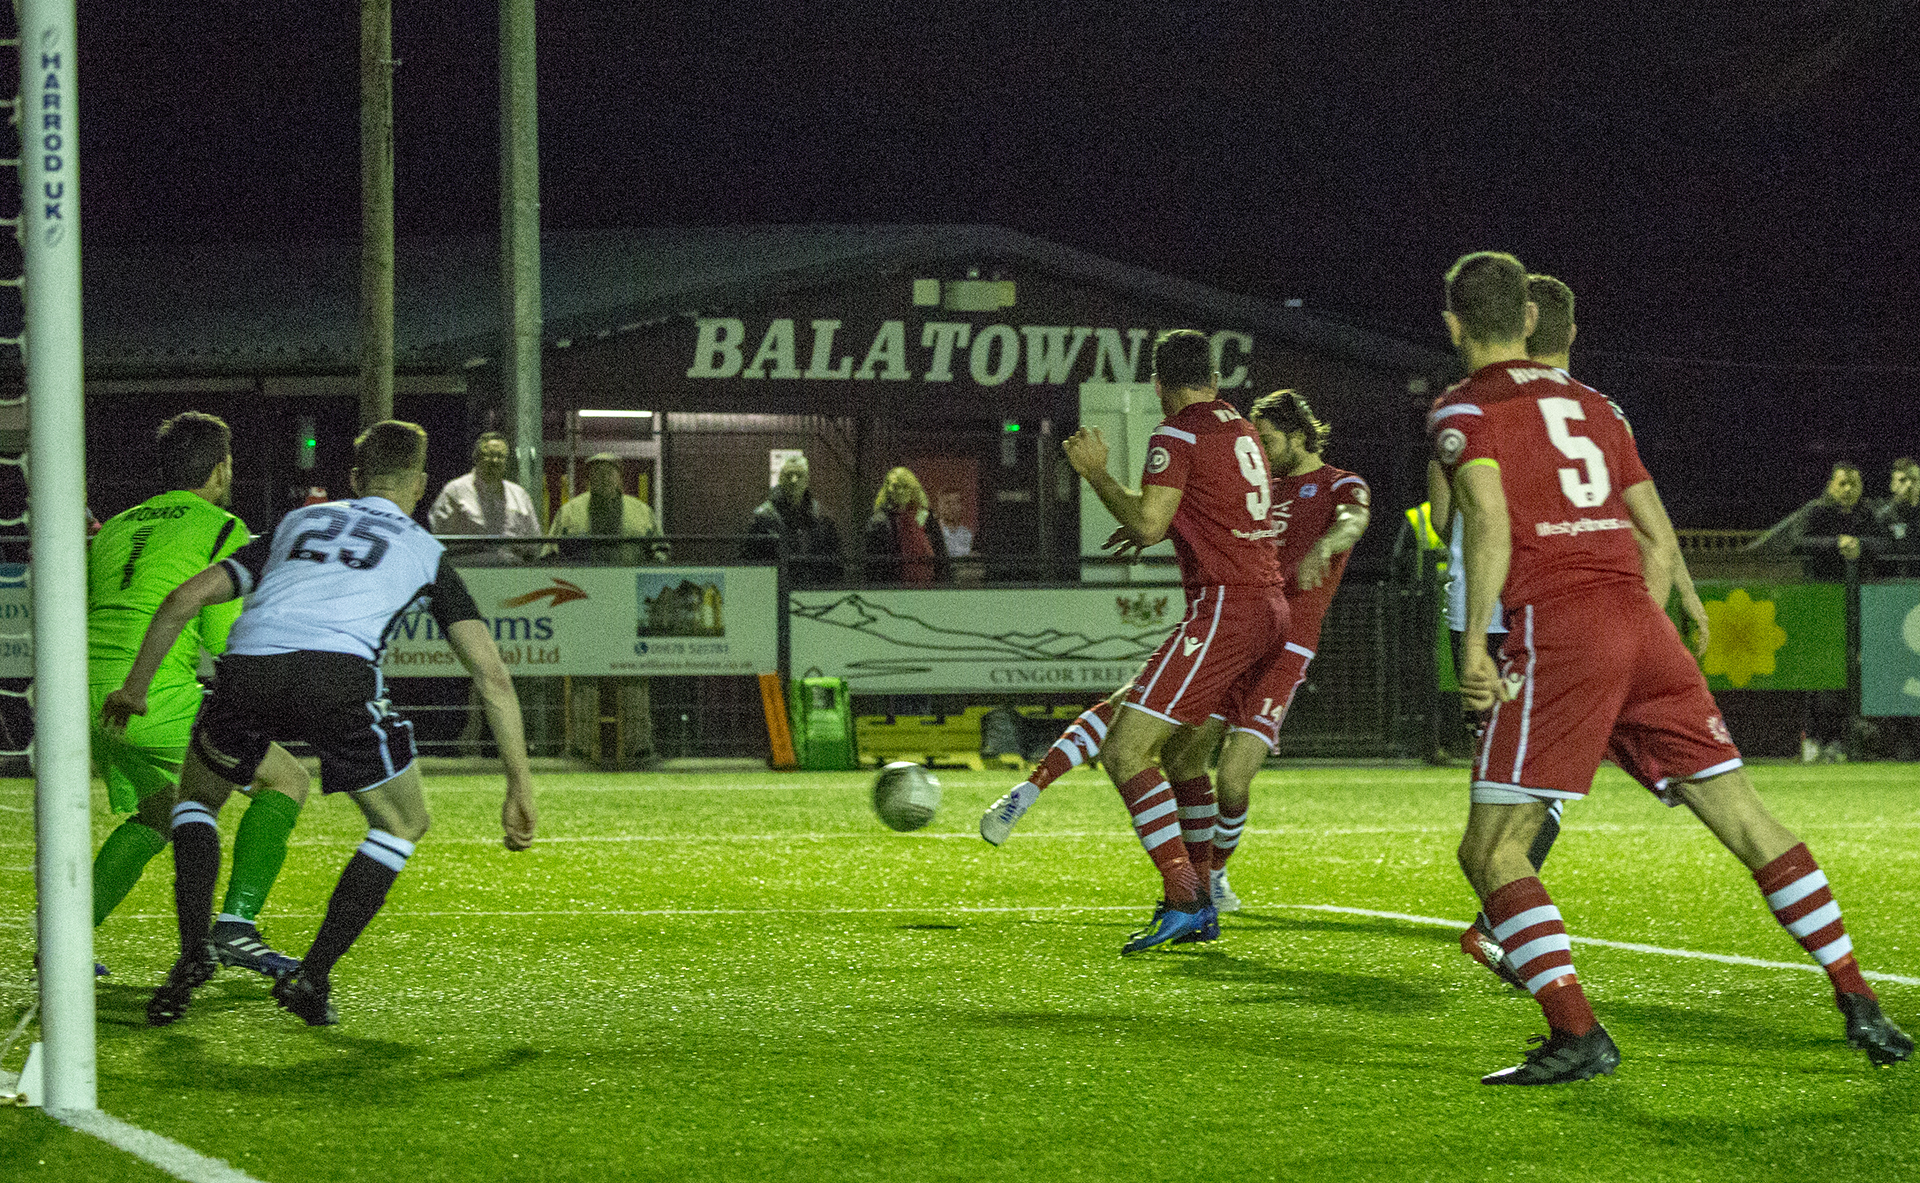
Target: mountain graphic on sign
[[929, 641]]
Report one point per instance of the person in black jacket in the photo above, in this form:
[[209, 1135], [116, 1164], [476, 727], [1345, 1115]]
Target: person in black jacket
[[1838, 529], [903, 543], [791, 515], [1899, 515]]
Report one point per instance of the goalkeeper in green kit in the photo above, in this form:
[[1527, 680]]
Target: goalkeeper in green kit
[[136, 559]]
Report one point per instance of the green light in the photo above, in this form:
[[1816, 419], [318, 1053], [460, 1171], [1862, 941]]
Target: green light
[[311, 442], [1010, 427]]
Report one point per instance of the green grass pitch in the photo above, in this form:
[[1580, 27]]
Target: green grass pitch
[[744, 976]]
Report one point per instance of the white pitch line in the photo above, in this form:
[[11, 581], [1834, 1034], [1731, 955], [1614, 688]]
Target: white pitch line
[[875, 835], [182, 1162], [1629, 946], [971, 910]]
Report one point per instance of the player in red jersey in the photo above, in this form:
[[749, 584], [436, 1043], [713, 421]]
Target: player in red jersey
[[1318, 512], [1205, 484], [1550, 485]]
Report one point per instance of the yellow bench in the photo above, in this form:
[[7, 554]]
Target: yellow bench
[[950, 740]]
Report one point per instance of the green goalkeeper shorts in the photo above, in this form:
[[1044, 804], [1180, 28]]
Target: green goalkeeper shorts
[[145, 759]]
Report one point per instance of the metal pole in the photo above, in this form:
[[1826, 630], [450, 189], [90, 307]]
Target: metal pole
[[520, 242], [56, 505], [376, 211]]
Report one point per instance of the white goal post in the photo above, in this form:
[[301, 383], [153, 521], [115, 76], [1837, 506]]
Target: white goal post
[[56, 507]]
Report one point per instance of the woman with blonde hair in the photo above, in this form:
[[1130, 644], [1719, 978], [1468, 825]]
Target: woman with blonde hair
[[897, 546]]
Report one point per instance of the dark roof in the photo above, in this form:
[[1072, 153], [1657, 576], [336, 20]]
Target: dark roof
[[293, 307]]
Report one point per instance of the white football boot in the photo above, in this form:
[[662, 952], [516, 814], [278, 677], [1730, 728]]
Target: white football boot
[[1223, 898], [997, 822]]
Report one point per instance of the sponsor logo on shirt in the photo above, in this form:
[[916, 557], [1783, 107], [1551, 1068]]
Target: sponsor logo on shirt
[[1580, 526], [1157, 460], [1361, 496], [1449, 444], [1192, 643]]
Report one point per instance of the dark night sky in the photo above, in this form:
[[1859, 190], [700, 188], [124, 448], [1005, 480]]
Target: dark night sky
[[1735, 184]]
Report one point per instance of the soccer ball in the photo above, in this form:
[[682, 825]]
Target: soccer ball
[[905, 795]]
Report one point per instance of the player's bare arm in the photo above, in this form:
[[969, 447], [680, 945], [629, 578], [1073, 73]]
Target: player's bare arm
[[472, 643], [1650, 517], [1145, 515], [1653, 567], [1348, 524], [1439, 498], [212, 586], [1486, 551]]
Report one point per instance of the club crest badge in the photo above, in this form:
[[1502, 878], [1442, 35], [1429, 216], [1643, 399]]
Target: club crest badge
[[1449, 444], [1158, 460]]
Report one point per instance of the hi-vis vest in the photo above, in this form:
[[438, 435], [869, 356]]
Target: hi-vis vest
[[1420, 517]]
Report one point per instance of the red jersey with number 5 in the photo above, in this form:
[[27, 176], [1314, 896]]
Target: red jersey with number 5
[[1564, 455], [1210, 453]]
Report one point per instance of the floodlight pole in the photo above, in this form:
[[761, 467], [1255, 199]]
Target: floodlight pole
[[520, 243], [376, 211], [57, 524]]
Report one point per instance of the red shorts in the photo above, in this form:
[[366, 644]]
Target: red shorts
[[1604, 674], [1214, 662], [1265, 709]]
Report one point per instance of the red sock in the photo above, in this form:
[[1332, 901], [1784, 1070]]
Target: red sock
[[1198, 810], [1149, 799], [1529, 928], [1796, 889], [1079, 743], [1226, 839]]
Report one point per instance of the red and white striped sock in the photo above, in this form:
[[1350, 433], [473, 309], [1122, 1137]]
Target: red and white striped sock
[[1796, 889], [1079, 743], [1149, 799], [1529, 928], [1226, 838], [1198, 812]]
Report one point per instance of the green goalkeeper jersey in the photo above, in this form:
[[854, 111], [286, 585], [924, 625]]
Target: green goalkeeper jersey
[[136, 559]]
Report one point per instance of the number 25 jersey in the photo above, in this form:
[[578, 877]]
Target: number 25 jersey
[[1564, 455], [336, 576]]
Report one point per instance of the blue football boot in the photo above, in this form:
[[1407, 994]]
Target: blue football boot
[[1169, 922]]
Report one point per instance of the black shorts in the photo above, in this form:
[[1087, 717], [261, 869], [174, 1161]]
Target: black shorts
[[334, 702]]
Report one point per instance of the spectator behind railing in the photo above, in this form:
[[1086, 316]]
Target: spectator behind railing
[[1898, 517], [484, 501], [953, 524], [791, 515], [1830, 531], [902, 542], [607, 509]]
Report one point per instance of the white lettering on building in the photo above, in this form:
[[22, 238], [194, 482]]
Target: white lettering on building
[[1055, 355]]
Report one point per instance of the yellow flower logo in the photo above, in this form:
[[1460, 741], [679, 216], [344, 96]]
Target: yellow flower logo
[[1742, 637]]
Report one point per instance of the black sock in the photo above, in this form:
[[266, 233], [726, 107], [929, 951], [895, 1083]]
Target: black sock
[[356, 899], [196, 864]]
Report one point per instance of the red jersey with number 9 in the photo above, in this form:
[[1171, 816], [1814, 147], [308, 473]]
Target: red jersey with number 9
[[1564, 454], [1221, 534]]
